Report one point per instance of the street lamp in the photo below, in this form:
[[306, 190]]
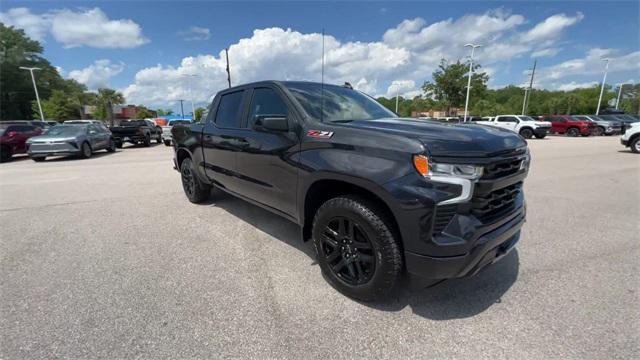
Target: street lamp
[[619, 93], [606, 68], [193, 110], [466, 104], [524, 101], [35, 88]]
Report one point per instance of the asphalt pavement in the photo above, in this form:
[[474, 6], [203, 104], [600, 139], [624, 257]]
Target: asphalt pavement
[[106, 258]]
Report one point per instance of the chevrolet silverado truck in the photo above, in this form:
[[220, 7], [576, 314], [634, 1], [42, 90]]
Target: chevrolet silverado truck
[[380, 196], [136, 132], [526, 126], [569, 126]]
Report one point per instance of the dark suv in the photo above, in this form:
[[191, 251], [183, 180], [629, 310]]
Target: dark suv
[[378, 194], [13, 138]]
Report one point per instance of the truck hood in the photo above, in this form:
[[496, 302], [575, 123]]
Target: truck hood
[[449, 140]]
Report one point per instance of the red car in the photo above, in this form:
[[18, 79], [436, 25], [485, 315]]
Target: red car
[[13, 138], [565, 124]]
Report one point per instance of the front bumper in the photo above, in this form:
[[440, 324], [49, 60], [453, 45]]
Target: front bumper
[[489, 248], [541, 131], [54, 149], [624, 142]]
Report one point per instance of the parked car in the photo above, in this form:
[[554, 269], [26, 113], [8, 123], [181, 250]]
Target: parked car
[[166, 129], [565, 124], [136, 132], [13, 138], [378, 194], [603, 127], [631, 138], [524, 125], [72, 139]]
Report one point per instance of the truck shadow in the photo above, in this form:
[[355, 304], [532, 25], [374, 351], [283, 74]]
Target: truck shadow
[[451, 299]]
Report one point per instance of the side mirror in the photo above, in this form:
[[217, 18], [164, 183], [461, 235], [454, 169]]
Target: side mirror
[[271, 123]]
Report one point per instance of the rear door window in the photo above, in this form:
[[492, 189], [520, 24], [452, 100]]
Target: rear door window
[[228, 114], [507, 119]]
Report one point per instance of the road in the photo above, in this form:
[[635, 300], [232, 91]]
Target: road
[[105, 258]]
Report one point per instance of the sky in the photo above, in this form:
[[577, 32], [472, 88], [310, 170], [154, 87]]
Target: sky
[[156, 53]]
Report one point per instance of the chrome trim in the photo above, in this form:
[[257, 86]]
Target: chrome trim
[[465, 194]]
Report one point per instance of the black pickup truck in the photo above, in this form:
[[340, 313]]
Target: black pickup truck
[[379, 195], [136, 132]]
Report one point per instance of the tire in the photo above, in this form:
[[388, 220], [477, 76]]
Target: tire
[[573, 132], [159, 139], [38, 158], [112, 146], [634, 145], [526, 133], [119, 144], [85, 150], [540, 136], [6, 153], [342, 253], [194, 189], [599, 131], [167, 142], [147, 141]]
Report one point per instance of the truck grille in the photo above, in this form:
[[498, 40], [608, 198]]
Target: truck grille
[[501, 169], [444, 214], [495, 203]]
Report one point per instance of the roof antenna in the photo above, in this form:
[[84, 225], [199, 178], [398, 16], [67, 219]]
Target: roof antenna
[[226, 51], [322, 82]]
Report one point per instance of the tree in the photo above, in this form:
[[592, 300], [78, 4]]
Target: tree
[[59, 106], [162, 112], [107, 99], [144, 113], [450, 82], [199, 112], [16, 88]]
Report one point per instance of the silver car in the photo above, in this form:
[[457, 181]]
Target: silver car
[[78, 140], [605, 127]]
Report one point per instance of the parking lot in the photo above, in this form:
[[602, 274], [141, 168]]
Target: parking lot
[[106, 258]]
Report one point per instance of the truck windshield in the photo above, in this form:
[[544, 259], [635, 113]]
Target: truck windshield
[[527, 118], [337, 103]]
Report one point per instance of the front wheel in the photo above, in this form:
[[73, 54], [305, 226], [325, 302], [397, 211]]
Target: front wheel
[[195, 190], [6, 154], [526, 133], [635, 145], [357, 248], [599, 131], [147, 141], [112, 146], [85, 150]]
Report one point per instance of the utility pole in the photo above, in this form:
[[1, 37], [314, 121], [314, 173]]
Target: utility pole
[[226, 51], [524, 101], [35, 88], [527, 96], [604, 79], [619, 93], [466, 104], [397, 96], [193, 109], [181, 109]]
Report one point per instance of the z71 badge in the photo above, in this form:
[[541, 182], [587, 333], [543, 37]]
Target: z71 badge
[[320, 134]]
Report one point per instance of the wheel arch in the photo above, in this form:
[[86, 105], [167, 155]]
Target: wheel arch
[[181, 154], [321, 190]]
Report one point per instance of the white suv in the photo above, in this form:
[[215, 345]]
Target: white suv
[[631, 138], [524, 125]]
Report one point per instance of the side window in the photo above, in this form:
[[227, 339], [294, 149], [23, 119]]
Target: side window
[[507, 119], [229, 110], [103, 128], [557, 119], [266, 102]]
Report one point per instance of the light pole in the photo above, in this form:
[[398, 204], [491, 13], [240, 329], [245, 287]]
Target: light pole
[[35, 88], [524, 101], [397, 96], [181, 109], [619, 93], [193, 109], [606, 68], [466, 104]]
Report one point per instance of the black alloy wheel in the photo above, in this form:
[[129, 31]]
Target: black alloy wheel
[[195, 190], [573, 132], [147, 141], [526, 133], [85, 150], [348, 251]]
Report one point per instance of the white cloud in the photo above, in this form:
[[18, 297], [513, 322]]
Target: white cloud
[[575, 85], [33, 25], [195, 33], [548, 52], [593, 64], [551, 27], [87, 27], [97, 74]]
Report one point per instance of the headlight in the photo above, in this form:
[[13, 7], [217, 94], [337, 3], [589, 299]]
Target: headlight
[[429, 168], [527, 160]]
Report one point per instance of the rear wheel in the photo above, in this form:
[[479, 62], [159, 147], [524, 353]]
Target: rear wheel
[[167, 142], [6, 154], [147, 141], [112, 146], [159, 139], [85, 150], [573, 132], [526, 133], [599, 131], [356, 247], [635, 145], [195, 190]]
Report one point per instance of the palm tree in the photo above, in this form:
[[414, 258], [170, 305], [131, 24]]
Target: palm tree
[[107, 99]]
